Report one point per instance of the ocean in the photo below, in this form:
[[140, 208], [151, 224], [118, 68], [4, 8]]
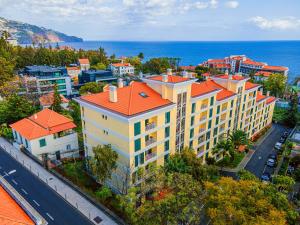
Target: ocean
[[281, 53]]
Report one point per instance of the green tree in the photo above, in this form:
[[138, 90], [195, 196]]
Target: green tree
[[91, 87], [99, 66], [56, 106], [104, 162], [276, 84], [141, 56], [6, 70], [127, 204], [104, 193], [225, 147], [292, 116], [283, 183], [156, 65], [246, 175], [238, 137]]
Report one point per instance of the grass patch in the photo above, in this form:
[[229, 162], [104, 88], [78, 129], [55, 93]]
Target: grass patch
[[227, 162]]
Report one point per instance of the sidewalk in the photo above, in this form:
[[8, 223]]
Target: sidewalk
[[65, 191]]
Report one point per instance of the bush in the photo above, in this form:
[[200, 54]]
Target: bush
[[104, 193]]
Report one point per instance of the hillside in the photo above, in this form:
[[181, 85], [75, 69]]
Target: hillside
[[26, 33]]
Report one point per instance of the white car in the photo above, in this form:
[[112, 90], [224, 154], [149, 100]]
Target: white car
[[278, 145]]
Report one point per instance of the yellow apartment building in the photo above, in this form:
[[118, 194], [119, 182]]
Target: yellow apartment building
[[148, 121]]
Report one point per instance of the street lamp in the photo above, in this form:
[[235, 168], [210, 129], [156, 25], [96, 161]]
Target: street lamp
[[9, 173]]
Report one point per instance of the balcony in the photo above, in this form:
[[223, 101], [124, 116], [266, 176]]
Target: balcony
[[221, 129], [150, 126], [202, 118], [201, 130], [150, 141], [150, 156], [203, 106]]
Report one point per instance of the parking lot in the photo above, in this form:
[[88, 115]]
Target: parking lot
[[257, 165]]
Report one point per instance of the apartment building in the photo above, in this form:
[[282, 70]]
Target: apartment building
[[120, 69], [148, 121]]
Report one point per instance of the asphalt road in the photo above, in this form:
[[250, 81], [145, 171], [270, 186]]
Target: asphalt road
[[42, 198], [257, 164]]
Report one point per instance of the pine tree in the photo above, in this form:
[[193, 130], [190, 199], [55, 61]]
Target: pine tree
[[56, 106]]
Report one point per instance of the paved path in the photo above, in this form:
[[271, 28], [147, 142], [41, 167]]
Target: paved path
[[257, 164], [58, 200]]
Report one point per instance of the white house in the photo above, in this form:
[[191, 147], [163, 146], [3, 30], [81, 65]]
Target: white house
[[47, 100], [46, 132], [84, 64], [120, 69]]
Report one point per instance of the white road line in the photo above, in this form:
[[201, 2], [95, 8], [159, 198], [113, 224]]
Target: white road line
[[6, 174], [264, 168], [15, 182], [50, 216], [36, 202], [24, 191]]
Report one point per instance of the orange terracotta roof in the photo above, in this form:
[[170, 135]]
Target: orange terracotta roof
[[48, 99], [120, 64], [73, 68], [234, 77], [254, 63], [208, 86], [130, 101], [237, 57], [84, 61], [271, 99], [212, 61], [260, 97], [10, 212], [263, 73], [206, 74], [275, 68], [222, 65], [191, 68], [41, 124], [171, 78], [249, 85]]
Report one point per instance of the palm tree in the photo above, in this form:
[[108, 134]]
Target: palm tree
[[238, 137], [226, 147]]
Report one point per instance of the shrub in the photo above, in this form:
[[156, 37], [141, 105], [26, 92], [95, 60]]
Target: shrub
[[104, 193]]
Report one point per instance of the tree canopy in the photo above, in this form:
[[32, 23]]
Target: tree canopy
[[276, 84], [91, 87]]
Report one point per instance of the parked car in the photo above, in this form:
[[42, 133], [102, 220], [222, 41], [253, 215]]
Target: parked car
[[286, 134], [278, 145], [266, 176], [271, 162], [273, 156], [282, 139]]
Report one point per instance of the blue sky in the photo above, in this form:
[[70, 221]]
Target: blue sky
[[162, 20]]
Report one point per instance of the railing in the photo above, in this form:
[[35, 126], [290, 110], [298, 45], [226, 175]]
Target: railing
[[150, 156], [204, 106], [150, 126], [202, 118], [221, 130], [201, 130], [150, 141], [224, 109]]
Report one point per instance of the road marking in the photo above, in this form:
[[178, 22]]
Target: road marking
[[264, 168], [15, 182], [6, 174], [36, 202], [50, 216], [24, 191]]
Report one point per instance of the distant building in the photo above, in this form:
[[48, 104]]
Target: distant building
[[188, 68], [47, 100], [84, 64], [73, 72], [96, 76], [243, 65], [261, 75], [46, 133], [120, 69], [12, 41], [41, 79]]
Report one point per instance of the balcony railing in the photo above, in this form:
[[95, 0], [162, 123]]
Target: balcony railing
[[150, 126], [202, 118], [150, 141], [224, 109], [221, 130], [201, 130], [203, 106], [150, 156]]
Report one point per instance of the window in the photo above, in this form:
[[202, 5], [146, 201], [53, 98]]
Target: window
[[231, 103], [207, 146], [210, 113], [167, 132], [167, 117], [166, 158], [167, 145], [218, 109], [217, 120], [42, 142], [193, 107], [215, 131], [245, 96], [26, 143], [191, 144], [209, 124], [215, 141], [137, 128], [208, 135], [192, 120], [192, 133], [136, 160], [212, 101], [137, 145], [230, 114], [68, 147], [229, 123]]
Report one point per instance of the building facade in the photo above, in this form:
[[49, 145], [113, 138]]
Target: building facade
[[41, 79], [46, 132], [148, 121], [121, 69], [84, 64], [96, 76]]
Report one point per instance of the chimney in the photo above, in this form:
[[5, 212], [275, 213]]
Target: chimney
[[230, 77], [113, 97], [185, 74], [120, 83], [35, 116], [268, 93], [164, 78], [226, 72], [169, 72], [141, 75]]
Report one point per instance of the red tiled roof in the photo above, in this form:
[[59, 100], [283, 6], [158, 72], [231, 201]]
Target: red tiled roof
[[234, 77], [48, 99], [260, 97], [222, 65], [191, 68], [208, 86], [10, 212], [275, 68], [263, 73], [171, 78], [271, 99], [212, 61], [130, 102], [237, 57], [120, 64], [83, 61], [73, 68], [206, 74], [251, 62], [249, 85], [41, 124]]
